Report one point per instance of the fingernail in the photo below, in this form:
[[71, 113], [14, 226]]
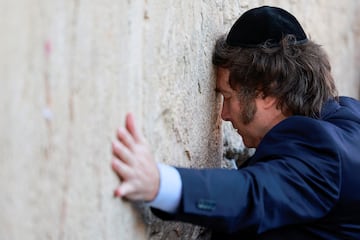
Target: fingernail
[[116, 194], [113, 145], [121, 130], [114, 163]]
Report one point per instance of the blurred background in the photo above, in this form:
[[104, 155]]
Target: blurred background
[[69, 72]]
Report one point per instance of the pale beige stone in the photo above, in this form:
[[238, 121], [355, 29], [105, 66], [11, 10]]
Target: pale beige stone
[[70, 70]]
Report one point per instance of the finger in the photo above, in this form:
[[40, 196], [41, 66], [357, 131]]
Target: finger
[[121, 169], [132, 128], [124, 190], [124, 136], [121, 152]]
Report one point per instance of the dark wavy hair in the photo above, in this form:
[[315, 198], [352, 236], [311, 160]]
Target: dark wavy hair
[[299, 76]]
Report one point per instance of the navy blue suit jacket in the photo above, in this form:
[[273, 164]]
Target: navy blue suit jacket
[[303, 182]]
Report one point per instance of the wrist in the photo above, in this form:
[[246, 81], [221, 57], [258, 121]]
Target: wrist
[[169, 189], [156, 186]]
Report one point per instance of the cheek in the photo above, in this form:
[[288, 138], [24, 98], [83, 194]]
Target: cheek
[[227, 105], [235, 107]]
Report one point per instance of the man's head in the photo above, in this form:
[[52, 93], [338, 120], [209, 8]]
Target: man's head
[[268, 54]]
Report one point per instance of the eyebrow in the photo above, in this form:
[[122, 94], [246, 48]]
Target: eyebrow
[[218, 90]]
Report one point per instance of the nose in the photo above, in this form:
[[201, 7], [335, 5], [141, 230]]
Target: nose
[[225, 114]]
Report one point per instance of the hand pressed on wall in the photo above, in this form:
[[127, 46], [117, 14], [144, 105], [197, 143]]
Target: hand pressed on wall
[[134, 164]]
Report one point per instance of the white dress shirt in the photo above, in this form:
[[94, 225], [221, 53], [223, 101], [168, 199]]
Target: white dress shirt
[[169, 195]]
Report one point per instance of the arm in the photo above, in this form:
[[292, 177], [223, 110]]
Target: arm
[[295, 180]]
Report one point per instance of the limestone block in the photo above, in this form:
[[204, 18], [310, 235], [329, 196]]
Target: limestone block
[[71, 70]]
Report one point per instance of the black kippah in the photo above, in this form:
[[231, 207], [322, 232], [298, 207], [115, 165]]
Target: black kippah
[[264, 25]]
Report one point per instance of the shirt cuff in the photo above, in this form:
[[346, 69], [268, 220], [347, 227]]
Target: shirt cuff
[[169, 195]]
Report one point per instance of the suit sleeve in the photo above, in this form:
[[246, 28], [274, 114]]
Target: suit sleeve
[[295, 179]]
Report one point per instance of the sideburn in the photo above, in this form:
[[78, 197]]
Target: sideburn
[[246, 97], [249, 110]]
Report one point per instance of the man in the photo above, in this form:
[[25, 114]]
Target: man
[[303, 180]]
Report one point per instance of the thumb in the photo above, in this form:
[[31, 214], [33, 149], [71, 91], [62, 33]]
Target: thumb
[[124, 190]]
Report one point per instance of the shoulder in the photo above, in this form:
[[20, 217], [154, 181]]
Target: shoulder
[[300, 137], [351, 104], [345, 113], [301, 128]]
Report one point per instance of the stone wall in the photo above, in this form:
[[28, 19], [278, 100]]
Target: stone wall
[[70, 70]]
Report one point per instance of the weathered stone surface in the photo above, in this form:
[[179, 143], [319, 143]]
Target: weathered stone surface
[[70, 70]]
